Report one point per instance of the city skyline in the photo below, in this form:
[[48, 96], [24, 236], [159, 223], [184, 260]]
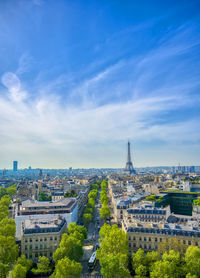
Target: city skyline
[[77, 80]]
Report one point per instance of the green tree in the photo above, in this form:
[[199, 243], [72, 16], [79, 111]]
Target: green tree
[[44, 197], [65, 268], [4, 206], [105, 212], [7, 227], [24, 262], [18, 271], [115, 242], [151, 258], [59, 254], [113, 252], [105, 230], [8, 250], [93, 194], [2, 192], [11, 190], [192, 259], [42, 266], [94, 186], [151, 198], [189, 275], [78, 236], [104, 198], [196, 202], [91, 203], [114, 266], [70, 247], [73, 227], [104, 185], [141, 271], [89, 210], [169, 266], [4, 268], [142, 263], [138, 258], [87, 218]]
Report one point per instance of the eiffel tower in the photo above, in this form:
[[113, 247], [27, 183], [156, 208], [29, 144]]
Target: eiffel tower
[[129, 165]]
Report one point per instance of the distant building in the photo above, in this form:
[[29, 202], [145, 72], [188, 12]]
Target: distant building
[[40, 174], [56, 196], [192, 169], [180, 202], [41, 237], [15, 165], [3, 174]]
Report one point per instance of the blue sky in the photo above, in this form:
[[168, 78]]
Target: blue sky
[[80, 78]]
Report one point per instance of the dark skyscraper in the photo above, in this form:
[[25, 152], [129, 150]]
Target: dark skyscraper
[[40, 174], [15, 165], [129, 165]]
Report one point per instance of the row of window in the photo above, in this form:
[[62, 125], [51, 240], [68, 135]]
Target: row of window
[[166, 231], [41, 239], [144, 246], [36, 255], [160, 240], [30, 247], [147, 239], [148, 216]]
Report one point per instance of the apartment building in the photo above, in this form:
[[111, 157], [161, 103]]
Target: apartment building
[[148, 228], [41, 237], [30, 209]]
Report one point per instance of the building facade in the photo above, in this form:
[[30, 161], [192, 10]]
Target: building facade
[[149, 228], [31, 209], [41, 237]]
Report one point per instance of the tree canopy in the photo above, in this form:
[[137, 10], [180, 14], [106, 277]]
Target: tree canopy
[[192, 259], [66, 268], [8, 247], [44, 197], [104, 212], [18, 271], [42, 266], [70, 247], [10, 191], [151, 198], [113, 252]]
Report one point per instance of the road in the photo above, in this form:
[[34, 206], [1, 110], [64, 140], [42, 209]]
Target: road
[[93, 239]]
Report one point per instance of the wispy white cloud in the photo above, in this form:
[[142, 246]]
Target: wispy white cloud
[[13, 84], [25, 64]]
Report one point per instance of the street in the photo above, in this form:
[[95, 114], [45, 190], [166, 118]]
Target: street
[[90, 244]]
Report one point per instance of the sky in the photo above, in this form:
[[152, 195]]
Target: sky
[[80, 78]]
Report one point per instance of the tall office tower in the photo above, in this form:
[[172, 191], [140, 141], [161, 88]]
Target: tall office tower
[[3, 174], [15, 165], [40, 174], [129, 165]]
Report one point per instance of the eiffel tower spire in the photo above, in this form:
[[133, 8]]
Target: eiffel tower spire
[[129, 165]]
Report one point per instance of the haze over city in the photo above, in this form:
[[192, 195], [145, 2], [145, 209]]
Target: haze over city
[[78, 79]]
